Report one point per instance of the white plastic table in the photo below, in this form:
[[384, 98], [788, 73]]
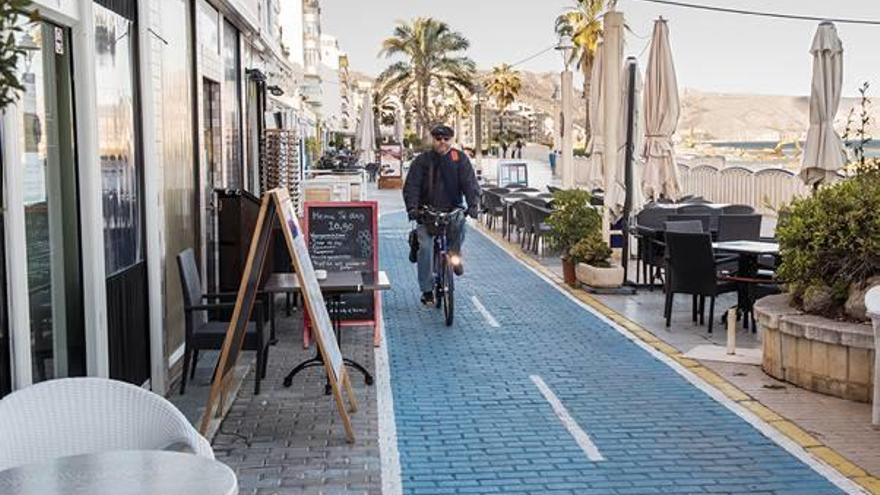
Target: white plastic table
[[128, 472]]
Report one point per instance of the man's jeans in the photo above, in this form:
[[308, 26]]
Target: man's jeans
[[454, 239]]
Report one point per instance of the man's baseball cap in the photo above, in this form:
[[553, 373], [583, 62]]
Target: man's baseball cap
[[442, 131]]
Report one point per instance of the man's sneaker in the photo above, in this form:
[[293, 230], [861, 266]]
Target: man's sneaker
[[428, 298]]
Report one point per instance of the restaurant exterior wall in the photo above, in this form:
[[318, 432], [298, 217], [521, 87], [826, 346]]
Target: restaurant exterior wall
[[173, 61]]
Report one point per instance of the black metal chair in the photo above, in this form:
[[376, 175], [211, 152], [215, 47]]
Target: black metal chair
[[204, 333], [737, 210], [649, 256], [508, 213], [705, 220], [739, 227], [528, 189], [685, 226], [539, 212], [692, 209], [692, 269], [522, 222], [492, 204]]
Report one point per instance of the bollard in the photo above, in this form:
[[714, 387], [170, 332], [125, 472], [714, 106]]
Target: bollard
[[731, 331]]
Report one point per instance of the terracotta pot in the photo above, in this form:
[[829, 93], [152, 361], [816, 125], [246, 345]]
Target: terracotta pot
[[568, 272]]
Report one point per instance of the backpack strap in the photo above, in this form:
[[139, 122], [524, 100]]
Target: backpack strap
[[432, 170]]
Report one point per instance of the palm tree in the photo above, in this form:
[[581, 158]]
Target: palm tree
[[433, 65], [583, 23], [503, 84]]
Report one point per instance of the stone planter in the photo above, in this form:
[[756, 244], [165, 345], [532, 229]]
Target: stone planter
[[827, 356], [872, 305], [595, 276]]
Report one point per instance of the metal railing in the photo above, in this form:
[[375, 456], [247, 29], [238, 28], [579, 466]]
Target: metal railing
[[765, 189]]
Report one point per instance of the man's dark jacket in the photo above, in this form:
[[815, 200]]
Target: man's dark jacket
[[454, 179]]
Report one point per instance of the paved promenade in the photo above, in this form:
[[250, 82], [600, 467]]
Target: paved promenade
[[530, 392]]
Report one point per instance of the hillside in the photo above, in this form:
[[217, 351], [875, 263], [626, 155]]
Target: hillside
[[715, 116]]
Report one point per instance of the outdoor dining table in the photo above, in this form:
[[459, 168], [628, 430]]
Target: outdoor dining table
[[747, 273], [333, 286], [128, 472]]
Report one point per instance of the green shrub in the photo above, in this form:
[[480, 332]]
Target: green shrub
[[831, 240], [592, 250], [573, 218], [10, 52]]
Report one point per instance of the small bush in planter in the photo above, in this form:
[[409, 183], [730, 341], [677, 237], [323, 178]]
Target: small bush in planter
[[592, 250], [572, 219], [830, 244]]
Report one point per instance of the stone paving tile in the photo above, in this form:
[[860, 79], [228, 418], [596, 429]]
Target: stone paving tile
[[291, 440], [470, 420]]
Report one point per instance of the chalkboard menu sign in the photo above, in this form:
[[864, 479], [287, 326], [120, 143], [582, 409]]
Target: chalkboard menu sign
[[344, 237]]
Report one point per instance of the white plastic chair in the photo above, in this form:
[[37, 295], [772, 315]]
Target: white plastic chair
[[72, 416]]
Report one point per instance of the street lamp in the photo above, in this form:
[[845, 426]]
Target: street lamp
[[478, 128], [566, 47]]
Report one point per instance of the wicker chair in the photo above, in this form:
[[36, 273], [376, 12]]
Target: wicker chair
[[72, 416]]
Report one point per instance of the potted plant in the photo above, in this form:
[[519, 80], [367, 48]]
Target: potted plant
[[572, 219], [817, 335], [592, 256]]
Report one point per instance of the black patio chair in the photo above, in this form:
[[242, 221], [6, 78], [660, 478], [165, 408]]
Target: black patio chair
[[522, 221], [737, 210], [528, 189], [649, 256], [202, 332], [692, 269], [705, 220], [540, 228], [493, 207], [739, 227], [509, 209], [694, 209], [685, 226]]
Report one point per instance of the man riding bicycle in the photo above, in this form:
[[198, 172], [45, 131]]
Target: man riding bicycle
[[441, 179]]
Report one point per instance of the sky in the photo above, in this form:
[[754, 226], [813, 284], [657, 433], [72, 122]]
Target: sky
[[712, 51]]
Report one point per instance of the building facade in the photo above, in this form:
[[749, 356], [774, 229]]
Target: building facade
[[133, 114]]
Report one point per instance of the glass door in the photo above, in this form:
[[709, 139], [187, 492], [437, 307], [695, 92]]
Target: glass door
[[121, 164], [51, 204]]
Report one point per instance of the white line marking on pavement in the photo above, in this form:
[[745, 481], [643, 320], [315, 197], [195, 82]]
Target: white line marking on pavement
[[831, 474], [485, 312], [580, 436], [388, 453]]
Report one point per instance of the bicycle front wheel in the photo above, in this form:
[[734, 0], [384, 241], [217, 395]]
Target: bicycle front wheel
[[448, 299]]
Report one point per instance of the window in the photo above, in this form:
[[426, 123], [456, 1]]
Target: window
[[208, 26], [231, 104], [120, 170]]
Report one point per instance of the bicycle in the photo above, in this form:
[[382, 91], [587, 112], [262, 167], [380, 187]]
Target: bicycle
[[436, 222]]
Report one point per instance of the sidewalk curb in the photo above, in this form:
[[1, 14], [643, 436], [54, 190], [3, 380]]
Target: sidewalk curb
[[807, 442]]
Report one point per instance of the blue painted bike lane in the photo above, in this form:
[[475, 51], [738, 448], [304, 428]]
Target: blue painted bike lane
[[472, 417]]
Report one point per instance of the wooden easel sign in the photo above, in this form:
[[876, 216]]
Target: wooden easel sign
[[277, 203]]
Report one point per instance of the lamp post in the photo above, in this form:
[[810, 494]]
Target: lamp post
[[478, 128], [566, 167]]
